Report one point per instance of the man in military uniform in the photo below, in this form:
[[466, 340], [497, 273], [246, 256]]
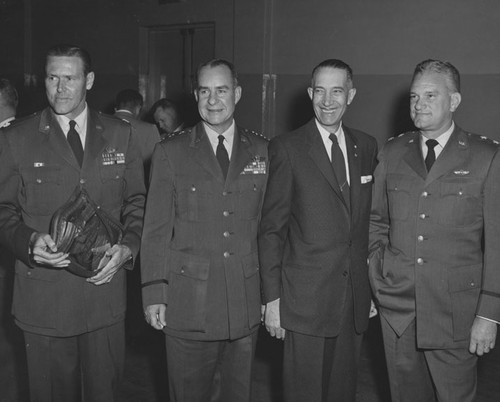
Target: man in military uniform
[[434, 242], [199, 260], [73, 327]]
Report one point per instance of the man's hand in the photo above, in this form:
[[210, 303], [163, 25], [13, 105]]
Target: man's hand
[[44, 251], [483, 335], [110, 263], [155, 315], [272, 319], [373, 309]]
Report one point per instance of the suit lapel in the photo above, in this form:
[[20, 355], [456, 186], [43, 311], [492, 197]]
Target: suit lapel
[[94, 142], [202, 152], [319, 155], [413, 156], [240, 154], [452, 155], [57, 140]]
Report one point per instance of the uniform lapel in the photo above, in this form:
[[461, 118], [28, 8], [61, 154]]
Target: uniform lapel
[[453, 154], [413, 156], [202, 152], [240, 154], [57, 140], [319, 155], [94, 142]]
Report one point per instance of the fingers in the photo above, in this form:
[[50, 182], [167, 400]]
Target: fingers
[[155, 316], [276, 332], [54, 259]]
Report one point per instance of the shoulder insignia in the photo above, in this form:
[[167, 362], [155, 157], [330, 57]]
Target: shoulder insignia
[[175, 134], [254, 133]]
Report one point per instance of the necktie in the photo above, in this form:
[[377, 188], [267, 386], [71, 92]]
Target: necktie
[[222, 156], [75, 142], [338, 163], [431, 155]]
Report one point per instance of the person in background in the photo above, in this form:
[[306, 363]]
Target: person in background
[[199, 262], [313, 243], [8, 102], [128, 108], [73, 326], [434, 245], [167, 117]]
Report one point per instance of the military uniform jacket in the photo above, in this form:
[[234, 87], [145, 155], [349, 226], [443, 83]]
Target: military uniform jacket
[[310, 242], [38, 173], [199, 244], [434, 238]]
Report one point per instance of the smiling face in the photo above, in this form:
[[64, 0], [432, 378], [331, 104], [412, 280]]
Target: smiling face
[[217, 97], [330, 93], [432, 103], [66, 85]]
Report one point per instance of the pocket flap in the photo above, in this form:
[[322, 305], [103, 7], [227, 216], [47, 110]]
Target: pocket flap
[[190, 265], [464, 278]]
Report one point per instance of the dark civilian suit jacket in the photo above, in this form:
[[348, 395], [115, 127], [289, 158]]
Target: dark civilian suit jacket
[[147, 136], [310, 241], [199, 244], [38, 173], [435, 238]]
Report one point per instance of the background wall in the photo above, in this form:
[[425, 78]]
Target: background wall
[[274, 44]]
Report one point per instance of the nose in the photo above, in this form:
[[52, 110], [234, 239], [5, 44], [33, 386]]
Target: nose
[[328, 99], [60, 86], [212, 98], [418, 103]]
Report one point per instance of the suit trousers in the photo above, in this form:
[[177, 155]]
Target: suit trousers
[[193, 366], [318, 369], [64, 369], [420, 375]]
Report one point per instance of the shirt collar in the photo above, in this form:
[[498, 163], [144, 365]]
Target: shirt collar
[[443, 138], [80, 120], [326, 134], [214, 135]]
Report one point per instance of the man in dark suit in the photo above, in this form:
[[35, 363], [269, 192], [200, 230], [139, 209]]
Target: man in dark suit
[[434, 245], [128, 107], [73, 327], [199, 262], [313, 243]]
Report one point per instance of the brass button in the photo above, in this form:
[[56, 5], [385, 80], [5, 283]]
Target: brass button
[[420, 238], [225, 213], [420, 261], [226, 254], [226, 234], [422, 216]]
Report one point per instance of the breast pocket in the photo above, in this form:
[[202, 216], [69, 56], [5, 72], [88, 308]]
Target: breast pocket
[[398, 194], [460, 202], [251, 191], [195, 200], [41, 185], [113, 180]]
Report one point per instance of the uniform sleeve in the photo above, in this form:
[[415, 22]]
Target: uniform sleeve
[[158, 229], [489, 302], [276, 213]]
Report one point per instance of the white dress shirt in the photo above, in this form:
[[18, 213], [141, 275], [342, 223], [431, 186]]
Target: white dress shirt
[[80, 127], [213, 137]]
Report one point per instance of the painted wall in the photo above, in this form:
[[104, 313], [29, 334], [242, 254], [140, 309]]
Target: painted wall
[[381, 39]]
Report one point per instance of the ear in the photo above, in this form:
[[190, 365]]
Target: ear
[[195, 93], [350, 95], [237, 94], [310, 92], [89, 80], [456, 98]]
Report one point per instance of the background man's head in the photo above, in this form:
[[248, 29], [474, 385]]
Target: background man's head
[[68, 78], [331, 91], [434, 96], [166, 115], [129, 99], [8, 99], [217, 93]]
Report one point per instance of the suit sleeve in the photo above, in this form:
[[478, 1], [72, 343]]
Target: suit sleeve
[[134, 197], [14, 233], [489, 302], [379, 217], [158, 229], [276, 213]]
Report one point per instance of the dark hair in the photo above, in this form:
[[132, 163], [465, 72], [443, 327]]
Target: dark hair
[[165, 103], [128, 98], [334, 63], [9, 93], [71, 51], [440, 67], [215, 63]]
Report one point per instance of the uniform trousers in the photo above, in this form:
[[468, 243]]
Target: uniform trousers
[[421, 375], [319, 369], [86, 367], [192, 366]]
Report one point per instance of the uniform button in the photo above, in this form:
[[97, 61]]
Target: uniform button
[[29, 273], [420, 261], [420, 238], [226, 254], [193, 188], [225, 213], [425, 194], [460, 192], [226, 234], [38, 181], [82, 181], [182, 270], [422, 216], [472, 284], [224, 193]]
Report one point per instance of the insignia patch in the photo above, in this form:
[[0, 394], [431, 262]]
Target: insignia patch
[[256, 166], [111, 157], [461, 172]]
